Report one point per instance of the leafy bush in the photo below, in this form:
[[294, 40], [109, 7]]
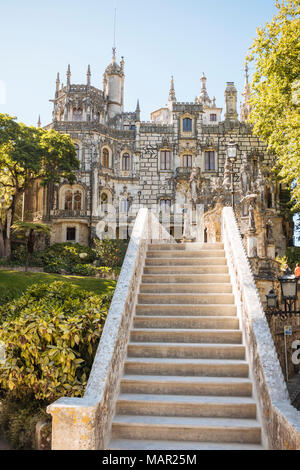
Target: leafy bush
[[67, 257], [111, 252], [292, 256], [50, 335], [19, 255]]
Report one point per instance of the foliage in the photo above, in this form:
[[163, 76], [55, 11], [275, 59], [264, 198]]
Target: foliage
[[111, 252], [18, 421], [292, 256], [29, 154], [68, 257], [50, 335], [276, 91]]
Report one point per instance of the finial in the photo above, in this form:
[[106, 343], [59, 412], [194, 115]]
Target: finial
[[39, 121], [114, 44], [172, 96], [203, 80], [246, 74], [69, 75], [138, 111], [88, 75], [122, 63]]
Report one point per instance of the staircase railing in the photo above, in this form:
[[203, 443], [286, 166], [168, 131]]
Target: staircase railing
[[280, 420], [85, 423]]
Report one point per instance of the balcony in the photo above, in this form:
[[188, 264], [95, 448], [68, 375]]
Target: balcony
[[67, 214], [183, 172]]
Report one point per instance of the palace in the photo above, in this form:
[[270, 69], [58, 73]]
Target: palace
[[177, 158]]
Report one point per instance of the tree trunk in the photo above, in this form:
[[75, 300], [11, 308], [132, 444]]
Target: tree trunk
[[27, 261]]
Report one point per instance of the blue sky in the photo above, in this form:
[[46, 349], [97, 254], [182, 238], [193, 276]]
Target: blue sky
[[157, 38]]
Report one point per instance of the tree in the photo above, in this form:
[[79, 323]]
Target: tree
[[29, 230], [28, 154], [275, 87]]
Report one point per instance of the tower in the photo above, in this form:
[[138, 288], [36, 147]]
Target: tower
[[245, 105], [113, 86], [231, 102]]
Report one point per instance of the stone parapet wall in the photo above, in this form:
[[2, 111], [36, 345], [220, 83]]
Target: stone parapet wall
[[280, 420]]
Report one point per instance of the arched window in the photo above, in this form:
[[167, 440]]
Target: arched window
[[72, 200], [68, 200], [77, 114], [187, 125], [125, 205], [103, 202], [126, 162], [77, 151], [77, 201], [165, 205], [105, 158]]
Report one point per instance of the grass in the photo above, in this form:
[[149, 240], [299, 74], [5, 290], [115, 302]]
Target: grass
[[14, 283]]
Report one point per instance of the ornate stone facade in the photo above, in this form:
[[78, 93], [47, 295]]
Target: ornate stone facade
[[177, 158]]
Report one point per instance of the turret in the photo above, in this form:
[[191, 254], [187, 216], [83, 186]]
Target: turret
[[113, 86], [231, 102], [68, 77], [138, 111]]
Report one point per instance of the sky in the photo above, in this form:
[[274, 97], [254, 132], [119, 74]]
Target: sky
[[158, 38]]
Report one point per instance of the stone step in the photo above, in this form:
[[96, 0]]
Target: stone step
[[186, 350], [130, 444], [222, 269], [185, 254], [185, 385], [182, 405], [185, 261], [178, 288], [175, 298], [201, 322], [186, 367], [213, 310], [186, 429], [185, 278], [171, 335], [185, 246]]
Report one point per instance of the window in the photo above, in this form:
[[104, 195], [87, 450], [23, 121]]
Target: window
[[77, 115], [105, 158], [68, 200], [77, 201], [77, 151], [187, 125], [187, 161], [71, 234], [126, 162], [165, 160], [104, 201], [165, 205], [125, 205], [213, 117], [72, 200], [209, 160]]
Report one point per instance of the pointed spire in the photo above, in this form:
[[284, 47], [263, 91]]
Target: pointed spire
[[57, 83], [172, 96], [88, 76], [114, 55], [204, 98], [138, 111], [246, 94], [69, 76], [122, 63], [39, 121]]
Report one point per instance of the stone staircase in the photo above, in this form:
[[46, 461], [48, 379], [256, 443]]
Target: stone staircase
[[186, 381]]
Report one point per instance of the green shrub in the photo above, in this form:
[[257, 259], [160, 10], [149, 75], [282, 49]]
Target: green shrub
[[67, 257], [50, 335], [111, 252], [18, 421], [292, 256]]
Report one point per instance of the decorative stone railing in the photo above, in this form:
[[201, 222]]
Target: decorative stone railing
[[85, 423], [280, 420]]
